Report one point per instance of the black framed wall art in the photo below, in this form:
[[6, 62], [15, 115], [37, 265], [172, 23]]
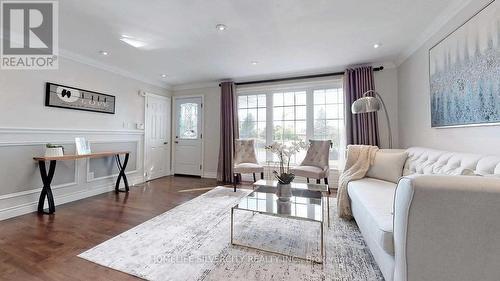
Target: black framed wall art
[[78, 99]]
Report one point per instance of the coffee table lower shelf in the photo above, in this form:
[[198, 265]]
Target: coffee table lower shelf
[[322, 239]]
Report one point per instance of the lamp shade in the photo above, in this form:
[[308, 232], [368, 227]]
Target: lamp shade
[[365, 105]]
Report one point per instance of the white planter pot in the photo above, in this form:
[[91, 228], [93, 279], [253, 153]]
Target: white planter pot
[[284, 192], [284, 207], [52, 152]]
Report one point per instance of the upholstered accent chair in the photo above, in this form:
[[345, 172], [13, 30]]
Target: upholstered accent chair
[[245, 160], [315, 164]]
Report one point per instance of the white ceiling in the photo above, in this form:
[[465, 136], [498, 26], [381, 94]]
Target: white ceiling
[[284, 36]]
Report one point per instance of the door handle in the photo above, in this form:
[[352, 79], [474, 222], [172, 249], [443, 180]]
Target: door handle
[[176, 142], [165, 142]]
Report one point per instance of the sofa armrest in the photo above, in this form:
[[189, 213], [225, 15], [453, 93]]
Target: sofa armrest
[[447, 228]]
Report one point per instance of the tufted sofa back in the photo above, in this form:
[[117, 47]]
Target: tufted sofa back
[[430, 161]]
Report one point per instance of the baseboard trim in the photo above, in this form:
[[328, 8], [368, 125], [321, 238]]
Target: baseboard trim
[[30, 207], [209, 175]]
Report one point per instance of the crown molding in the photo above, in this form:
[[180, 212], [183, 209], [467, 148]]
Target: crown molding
[[64, 53], [113, 69], [439, 22], [195, 85]]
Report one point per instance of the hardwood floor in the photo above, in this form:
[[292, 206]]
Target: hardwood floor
[[45, 247]]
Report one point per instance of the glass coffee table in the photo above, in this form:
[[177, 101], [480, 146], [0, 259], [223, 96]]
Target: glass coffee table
[[324, 189], [307, 203]]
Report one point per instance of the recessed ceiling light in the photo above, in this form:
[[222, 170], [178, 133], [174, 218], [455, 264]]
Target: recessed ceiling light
[[134, 42], [104, 53], [377, 45], [254, 62], [221, 27], [164, 76]]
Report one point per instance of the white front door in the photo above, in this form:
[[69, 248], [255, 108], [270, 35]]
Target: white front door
[[157, 136], [188, 141]]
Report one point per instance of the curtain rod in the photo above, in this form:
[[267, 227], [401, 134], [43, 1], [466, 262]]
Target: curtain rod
[[298, 77]]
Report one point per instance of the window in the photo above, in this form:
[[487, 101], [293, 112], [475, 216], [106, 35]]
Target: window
[[293, 113], [252, 121], [329, 120], [290, 118], [188, 121]]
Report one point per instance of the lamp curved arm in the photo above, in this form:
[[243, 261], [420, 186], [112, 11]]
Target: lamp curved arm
[[377, 95]]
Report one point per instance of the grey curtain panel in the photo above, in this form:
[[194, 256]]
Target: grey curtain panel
[[228, 132], [360, 128]]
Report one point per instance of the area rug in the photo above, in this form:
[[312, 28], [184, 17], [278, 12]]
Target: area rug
[[192, 242]]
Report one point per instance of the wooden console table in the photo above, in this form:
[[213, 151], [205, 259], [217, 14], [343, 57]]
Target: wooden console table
[[47, 177]]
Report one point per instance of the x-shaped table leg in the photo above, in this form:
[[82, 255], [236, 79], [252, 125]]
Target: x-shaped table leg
[[46, 190], [122, 174]]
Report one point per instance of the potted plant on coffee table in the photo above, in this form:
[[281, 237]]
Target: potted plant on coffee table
[[284, 176]]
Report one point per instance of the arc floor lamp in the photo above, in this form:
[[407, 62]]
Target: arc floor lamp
[[367, 104]]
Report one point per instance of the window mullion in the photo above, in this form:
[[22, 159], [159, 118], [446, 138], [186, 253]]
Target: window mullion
[[269, 124], [309, 114]]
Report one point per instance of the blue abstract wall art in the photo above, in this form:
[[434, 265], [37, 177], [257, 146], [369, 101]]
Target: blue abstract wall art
[[465, 73]]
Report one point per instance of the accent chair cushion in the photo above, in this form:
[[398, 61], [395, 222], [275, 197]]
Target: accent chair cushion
[[388, 165], [309, 172], [248, 168]]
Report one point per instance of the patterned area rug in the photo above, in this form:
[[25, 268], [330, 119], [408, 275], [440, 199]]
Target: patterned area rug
[[192, 242]]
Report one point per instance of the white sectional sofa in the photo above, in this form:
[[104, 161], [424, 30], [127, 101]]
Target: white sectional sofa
[[434, 223]]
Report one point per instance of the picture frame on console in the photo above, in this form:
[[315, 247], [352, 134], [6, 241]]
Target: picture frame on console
[[464, 73], [82, 146]]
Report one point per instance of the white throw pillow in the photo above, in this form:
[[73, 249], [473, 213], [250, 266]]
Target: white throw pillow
[[388, 165]]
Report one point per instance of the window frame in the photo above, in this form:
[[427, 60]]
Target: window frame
[[257, 108], [308, 87]]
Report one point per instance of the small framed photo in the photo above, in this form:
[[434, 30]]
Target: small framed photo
[[82, 146]]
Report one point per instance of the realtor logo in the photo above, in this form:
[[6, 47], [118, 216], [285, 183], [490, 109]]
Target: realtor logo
[[29, 35]]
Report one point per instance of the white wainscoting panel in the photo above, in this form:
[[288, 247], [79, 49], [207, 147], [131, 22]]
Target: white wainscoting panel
[[20, 177]]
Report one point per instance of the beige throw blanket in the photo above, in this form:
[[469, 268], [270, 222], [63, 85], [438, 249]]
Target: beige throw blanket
[[359, 160]]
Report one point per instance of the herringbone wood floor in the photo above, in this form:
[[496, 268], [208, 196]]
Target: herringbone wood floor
[[43, 247]]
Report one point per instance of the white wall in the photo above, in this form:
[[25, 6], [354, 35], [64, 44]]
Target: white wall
[[211, 110], [386, 84], [414, 102], [26, 124], [22, 97]]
